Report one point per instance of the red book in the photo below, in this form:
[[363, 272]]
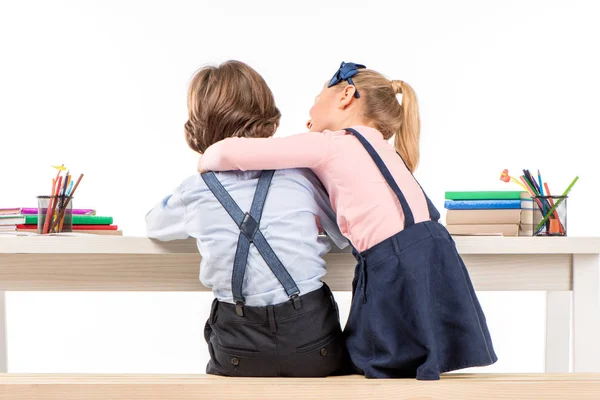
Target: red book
[[77, 227]]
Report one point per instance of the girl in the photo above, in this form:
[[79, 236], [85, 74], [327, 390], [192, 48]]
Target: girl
[[272, 315], [414, 312]]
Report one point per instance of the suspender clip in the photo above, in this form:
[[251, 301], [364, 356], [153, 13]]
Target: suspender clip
[[239, 308], [296, 301]]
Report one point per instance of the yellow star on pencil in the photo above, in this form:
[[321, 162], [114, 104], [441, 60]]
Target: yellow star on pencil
[[60, 167]]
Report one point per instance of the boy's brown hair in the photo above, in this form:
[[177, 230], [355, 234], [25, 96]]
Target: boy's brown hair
[[229, 100]]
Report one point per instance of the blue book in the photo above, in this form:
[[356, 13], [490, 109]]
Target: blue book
[[482, 204]]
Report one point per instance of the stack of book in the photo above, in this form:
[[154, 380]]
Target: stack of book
[[9, 218], [84, 221], [489, 213]]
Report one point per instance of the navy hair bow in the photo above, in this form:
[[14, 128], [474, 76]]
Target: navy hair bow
[[345, 73]]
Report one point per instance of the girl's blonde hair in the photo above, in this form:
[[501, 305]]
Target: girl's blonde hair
[[382, 109]]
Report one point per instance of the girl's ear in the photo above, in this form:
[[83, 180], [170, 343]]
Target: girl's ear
[[347, 96]]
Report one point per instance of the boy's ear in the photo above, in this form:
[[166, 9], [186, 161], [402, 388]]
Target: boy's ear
[[347, 96]]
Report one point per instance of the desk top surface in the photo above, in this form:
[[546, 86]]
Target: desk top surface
[[93, 244]]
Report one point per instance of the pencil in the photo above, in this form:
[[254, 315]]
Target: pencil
[[516, 181], [76, 184], [525, 179], [56, 205], [537, 189], [566, 192], [47, 219], [64, 202], [57, 175], [531, 192], [562, 228], [51, 205], [66, 183], [70, 197]]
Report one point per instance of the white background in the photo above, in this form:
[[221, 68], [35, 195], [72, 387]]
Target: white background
[[101, 86]]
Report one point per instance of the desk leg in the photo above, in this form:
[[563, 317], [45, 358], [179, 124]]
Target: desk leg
[[558, 331], [586, 313], [3, 354]]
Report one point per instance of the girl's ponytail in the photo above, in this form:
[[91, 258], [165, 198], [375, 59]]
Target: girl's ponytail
[[389, 116], [407, 137]]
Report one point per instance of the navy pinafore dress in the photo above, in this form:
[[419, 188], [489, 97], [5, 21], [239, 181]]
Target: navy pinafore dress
[[414, 312]]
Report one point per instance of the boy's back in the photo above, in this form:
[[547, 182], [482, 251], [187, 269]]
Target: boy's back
[[294, 199]]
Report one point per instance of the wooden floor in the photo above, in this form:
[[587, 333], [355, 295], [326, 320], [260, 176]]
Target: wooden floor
[[188, 387]]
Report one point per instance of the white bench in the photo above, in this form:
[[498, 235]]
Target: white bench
[[195, 387]]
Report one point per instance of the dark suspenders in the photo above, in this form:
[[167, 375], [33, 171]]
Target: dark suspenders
[[250, 233], [408, 215]]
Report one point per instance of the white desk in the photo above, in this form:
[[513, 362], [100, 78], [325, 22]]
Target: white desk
[[558, 266]]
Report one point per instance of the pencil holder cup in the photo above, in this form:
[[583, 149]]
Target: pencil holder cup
[[550, 216], [55, 214]]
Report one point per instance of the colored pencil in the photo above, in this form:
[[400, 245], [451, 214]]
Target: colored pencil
[[64, 202], [531, 191], [52, 204], [540, 183], [69, 198], [46, 221], [76, 184], [562, 228], [566, 192]]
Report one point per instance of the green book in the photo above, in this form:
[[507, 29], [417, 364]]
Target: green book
[[484, 195], [77, 220]]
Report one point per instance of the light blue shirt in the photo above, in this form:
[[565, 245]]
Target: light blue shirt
[[288, 223]]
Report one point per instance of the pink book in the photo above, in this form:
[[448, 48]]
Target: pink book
[[9, 211], [77, 211]]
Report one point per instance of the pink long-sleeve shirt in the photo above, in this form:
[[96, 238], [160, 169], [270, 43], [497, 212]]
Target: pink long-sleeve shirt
[[368, 211]]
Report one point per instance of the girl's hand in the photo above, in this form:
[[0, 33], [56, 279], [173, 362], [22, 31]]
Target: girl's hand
[[201, 168]]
